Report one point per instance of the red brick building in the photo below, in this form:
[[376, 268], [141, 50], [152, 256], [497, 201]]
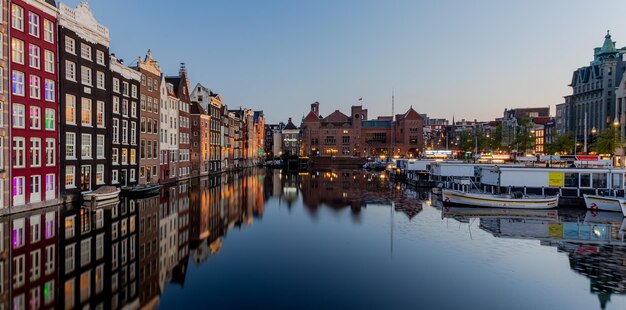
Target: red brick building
[[341, 135], [200, 121]]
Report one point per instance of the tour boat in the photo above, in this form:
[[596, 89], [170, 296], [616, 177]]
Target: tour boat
[[515, 200], [102, 193], [604, 203], [142, 190]]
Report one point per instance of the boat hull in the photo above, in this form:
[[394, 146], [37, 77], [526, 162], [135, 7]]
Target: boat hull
[[492, 201], [604, 203], [102, 197]]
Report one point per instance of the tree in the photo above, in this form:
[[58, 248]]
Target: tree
[[495, 140], [562, 144], [608, 140], [523, 139]]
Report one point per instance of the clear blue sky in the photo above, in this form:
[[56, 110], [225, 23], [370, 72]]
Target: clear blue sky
[[472, 59]]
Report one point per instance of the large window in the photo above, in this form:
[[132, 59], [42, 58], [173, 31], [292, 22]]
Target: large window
[[100, 114], [35, 87], [33, 24], [34, 56], [116, 130], [17, 51], [85, 150], [70, 109], [100, 79], [69, 177], [85, 51], [100, 146], [35, 117], [35, 152], [85, 107], [19, 112], [50, 90], [100, 174], [18, 83], [70, 45], [19, 152], [50, 119], [48, 58], [70, 70], [100, 57], [50, 154], [17, 14], [48, 31], [85, 76], [70, 145]]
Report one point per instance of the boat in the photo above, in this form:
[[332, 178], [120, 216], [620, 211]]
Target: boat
[[102, 193], [604, 203], [515, 200], [142, 190]]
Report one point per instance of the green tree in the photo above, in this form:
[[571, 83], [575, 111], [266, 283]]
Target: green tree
[[607, 141], [562, 144], [496, 138], [524, 139]]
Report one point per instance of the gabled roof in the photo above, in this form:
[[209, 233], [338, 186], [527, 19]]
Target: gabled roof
[[196, 108], [311, 117], [336, 117], [290, 126], [175, 80], [412, 114]]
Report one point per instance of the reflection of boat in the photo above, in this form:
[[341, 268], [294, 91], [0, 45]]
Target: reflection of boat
[[142, 190], [515, 200], [604, 203], [500, 213], [103, 193]]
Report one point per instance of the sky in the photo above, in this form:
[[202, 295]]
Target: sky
[[463, 59]]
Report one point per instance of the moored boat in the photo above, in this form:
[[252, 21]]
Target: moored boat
[[102, 193], [604, 203], [142, 190], [515, 200]]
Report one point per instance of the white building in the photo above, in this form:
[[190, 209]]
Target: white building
[[169, 132]]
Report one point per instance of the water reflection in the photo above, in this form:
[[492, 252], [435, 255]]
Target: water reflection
[[131, 253], [593, 240]]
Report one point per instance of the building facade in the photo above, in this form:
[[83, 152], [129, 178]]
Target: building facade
[[290, 140], [150, 102], [200, 121], [124, 111], [5, 139], [84, 75], [169, 132], [180, 87]]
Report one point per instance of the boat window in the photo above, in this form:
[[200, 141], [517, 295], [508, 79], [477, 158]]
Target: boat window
[[599, 180], [571, 179], [585, 180], [618, 180]]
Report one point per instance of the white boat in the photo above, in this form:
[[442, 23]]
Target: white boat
[[103, 193], [604, 203], [515, 201]]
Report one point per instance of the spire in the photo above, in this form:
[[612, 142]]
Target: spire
[[608, 47]]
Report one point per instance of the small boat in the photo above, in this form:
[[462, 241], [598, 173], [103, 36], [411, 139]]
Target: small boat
[[142, 190], [604, 203], [515, 200], [102, 193]]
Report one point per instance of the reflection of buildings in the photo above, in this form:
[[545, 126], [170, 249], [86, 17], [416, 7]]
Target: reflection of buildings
[[596, 247], [149, 251], [168, 235]]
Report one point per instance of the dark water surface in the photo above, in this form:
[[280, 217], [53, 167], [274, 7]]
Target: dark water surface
[[340, 240]]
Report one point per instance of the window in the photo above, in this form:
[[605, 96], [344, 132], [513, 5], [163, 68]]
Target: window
[[49, 90], [50, 224], [143, 103], [70, 71], [100, 57], [125, 89], [85, 252], [19, 120], [99, 278], [35, 87], [116, 130], [85, 150], [35, 152], [19, 234], [116, 85], [49, 297], [35, 188], [50, 154], [132, 156], [69, 177], [70, 109], [124, 132], [114, 156], [19, 187], [132, 174], [133, 109], [116, 105], [34, 56], [49, 268], [48, 61], [48, 31], [35, 228], [19, 152], [100, 146], [70, 45], [70, 145], [85, 107], [124, 156], [17, 14], [149, 84], [18, 83], [100, 174], [35, 265], [133, 133], [114, 176], [100, 79], [85, 51], [33, 24], [134, 91], [68, 290], [17, 51], [50, 186], [35, 117], [18, 276], [85, 76], [100, 114], [125, 107], [114, 249]]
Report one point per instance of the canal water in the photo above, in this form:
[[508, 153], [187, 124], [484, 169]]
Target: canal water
[[267, 239]]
